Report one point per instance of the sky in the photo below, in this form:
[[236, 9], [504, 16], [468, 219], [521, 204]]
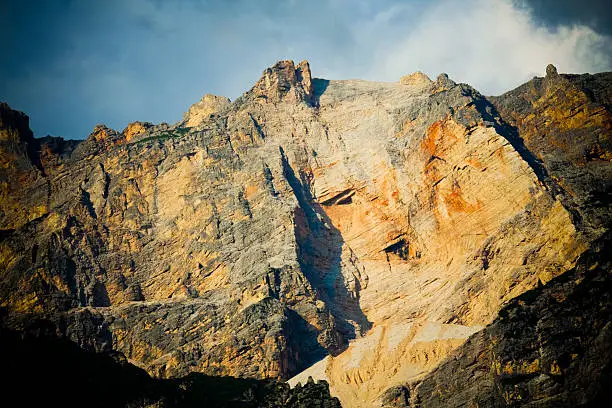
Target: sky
[[70, 64]]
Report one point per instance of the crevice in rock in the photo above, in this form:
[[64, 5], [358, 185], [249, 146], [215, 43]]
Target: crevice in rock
[[342, 197], [320, 255], [257, 127], [400, 248], [269, 180], [86, 200]]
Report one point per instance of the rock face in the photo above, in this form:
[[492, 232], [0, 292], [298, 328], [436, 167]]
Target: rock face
[[370, 228], [201, 111], [23, 194], [135, 129], [549, 347], [564, 121]]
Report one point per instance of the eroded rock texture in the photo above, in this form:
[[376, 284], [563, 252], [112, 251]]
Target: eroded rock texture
[[370, 228], [549, 347], [565, 122]]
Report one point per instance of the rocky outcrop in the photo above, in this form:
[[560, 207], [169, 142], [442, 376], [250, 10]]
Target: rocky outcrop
[[284, 82], [352, 231], [201, 111], [549, 347], [135, 129], [23, 190], [14, 126], [415, 79]]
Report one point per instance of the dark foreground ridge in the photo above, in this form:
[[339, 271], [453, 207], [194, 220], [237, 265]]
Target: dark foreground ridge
[[43, 370]]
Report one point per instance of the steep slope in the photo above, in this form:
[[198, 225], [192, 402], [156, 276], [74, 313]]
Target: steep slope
[[549, 347], [565, 121], [369, 228]]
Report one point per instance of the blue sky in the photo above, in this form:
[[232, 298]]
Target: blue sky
[[70, 64]]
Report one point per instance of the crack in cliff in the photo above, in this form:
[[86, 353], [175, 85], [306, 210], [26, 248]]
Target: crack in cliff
[[320, 256]]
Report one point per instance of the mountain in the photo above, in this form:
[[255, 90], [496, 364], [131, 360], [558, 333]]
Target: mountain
[[372, 235]]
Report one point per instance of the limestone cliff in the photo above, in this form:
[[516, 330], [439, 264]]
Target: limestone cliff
[[549, 347], [207, 106], [366, 228]]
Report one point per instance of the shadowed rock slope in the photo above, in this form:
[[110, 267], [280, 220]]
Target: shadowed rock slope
[[357, 232], [43, 370]]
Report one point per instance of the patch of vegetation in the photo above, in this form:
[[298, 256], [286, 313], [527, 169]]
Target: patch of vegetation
[[182, 131], [178, 132]]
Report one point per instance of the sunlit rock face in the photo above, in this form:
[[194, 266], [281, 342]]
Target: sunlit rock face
[[22, 187], [565, 122], [200, 112], [135, 129], [353, 231]]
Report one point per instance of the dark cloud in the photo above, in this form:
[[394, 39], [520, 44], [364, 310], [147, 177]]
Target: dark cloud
[[596, 14]]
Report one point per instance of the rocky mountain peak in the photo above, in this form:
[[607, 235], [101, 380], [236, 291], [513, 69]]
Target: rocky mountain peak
[[14, 125], [135, 129], [553, 80], [201, 111], [304, 77], [102, 132], [416, 79], [102, 138], [284, 82], [443, 83]]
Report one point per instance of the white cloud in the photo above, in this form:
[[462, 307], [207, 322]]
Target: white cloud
[[491, 45]]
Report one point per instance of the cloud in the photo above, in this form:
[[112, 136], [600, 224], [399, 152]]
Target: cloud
[[596, 14], [492, 45], [71, 64]]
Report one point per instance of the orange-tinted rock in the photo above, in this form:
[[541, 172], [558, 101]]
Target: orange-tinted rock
[[135, 129], [207, 106], [565, 122], [418, 79]]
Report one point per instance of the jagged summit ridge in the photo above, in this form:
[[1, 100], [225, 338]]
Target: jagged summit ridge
[[284, 81]]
